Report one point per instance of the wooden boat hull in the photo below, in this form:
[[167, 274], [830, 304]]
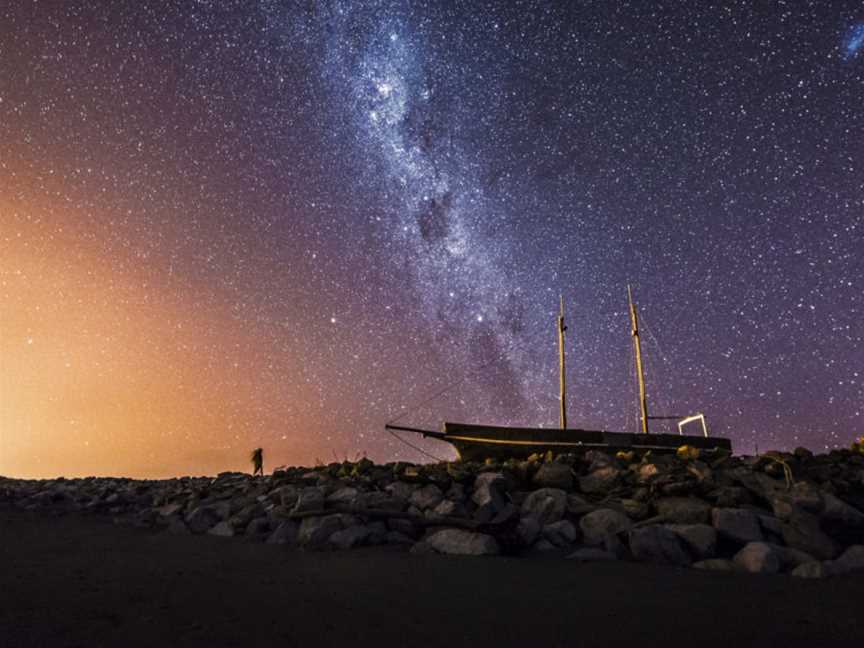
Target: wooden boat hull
[[479, 442]]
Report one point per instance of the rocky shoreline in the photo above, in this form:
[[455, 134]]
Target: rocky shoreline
[[795, 513]]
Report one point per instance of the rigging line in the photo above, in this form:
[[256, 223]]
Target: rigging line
[[411, 445]]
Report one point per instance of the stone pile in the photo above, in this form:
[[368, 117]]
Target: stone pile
[[778, 512]]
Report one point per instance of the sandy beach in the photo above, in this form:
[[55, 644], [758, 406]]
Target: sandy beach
[[71, 580]]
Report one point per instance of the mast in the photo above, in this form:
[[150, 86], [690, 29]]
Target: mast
[[562, 373], [637, 346]]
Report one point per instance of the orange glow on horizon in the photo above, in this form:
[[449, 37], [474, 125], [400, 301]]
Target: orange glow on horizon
[[110, 365]]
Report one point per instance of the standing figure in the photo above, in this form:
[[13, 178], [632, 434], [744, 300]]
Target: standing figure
[[257, 459]]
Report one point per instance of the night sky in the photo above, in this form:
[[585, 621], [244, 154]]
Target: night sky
[[238, 223]]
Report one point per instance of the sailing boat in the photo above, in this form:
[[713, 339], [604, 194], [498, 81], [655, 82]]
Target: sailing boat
[[479, 442]]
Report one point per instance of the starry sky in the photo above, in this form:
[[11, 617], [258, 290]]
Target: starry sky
[[229, 224]]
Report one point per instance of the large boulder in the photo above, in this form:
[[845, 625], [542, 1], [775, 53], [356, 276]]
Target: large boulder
[[700, 539], [427, 497], [547, 505], [598, 525], [554, 475], [201, 519], [656, 543], [850, 560], [461, 542], [803, 532], [285, 533], [600, 481], [812, 569], [316, 531], [683, 510], [350, 537], [310, 499], [561, 533], [223, 529], [758, 558], [489, 495], [739, 525]]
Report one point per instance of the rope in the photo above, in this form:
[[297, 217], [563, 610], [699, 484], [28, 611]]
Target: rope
[[411, 445]]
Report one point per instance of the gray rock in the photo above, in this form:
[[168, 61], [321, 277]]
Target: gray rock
[[547, 505], [422, 549], [600, 481], [850, 560], [554, 475], [379, 500], [309, 499], [427, 497], [791, 558], [598, 525], [561, 533], [592, 554], [461, 542], [178, 527], [528, 530], [449, 508], [400, 489], [813, 569], [758, 558], [351, 537], [803, 532], [170, 509], [201, 519], [684, 510], [396, 538], [223, 529], [343, 496], [739, 525], [489, 495], [716, 564], [316, 531], [405, 527], [544, 546], [700, 539], [656, 543], [258, 527], [836, 510]]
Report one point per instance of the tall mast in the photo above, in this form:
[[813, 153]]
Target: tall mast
[[637, 346], [562, 378]]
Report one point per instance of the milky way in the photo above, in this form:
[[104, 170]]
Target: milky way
[[232, 224]]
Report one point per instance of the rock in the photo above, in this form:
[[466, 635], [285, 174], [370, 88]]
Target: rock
[[758, 558], [544, 546], [683, 510], [804, 533], [285, 533], [400, 489], [422, 548], [448, 508], [592, 554], [170, 509], [178, 527], [599, 524], [316, 531], [461, 542], [739, 525], [343, 496], [258, 527], [547, 505], [350, 537], [716, 564], [635, 509], [427, 497], [379, 500], [223, 529], [837, 511], [309, 499], [489, 495], [528, 530], [700, 539], [850, 560], [601, 480], [554, 475], [396, 538], [732, 497], [561, 533], [405, 527], [790, 558], [813, 569], [201, 519], [656, 543]]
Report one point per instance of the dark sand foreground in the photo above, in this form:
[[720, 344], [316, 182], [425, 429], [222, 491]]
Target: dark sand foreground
[[75, 581]]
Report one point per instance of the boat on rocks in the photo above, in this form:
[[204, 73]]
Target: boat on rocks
[[475, 442]]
